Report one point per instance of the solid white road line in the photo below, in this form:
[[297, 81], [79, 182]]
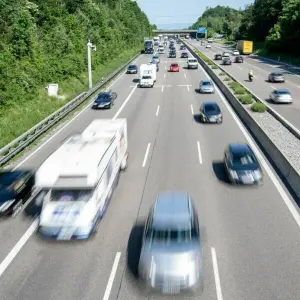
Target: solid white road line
[[112, 276], [216, 274], [162, 88], [199, 152], [146, 155], [192, 109], [157, 111], [264, 163], [273, 87], [16, 249], [63, 127]]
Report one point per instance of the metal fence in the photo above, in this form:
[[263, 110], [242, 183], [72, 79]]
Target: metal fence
[[21, 142]]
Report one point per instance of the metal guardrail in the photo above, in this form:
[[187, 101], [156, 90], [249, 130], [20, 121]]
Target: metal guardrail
[[290, 127], [21, 142]]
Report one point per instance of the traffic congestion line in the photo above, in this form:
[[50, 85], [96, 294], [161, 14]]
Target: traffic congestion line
[[216, 274], [112, 276]]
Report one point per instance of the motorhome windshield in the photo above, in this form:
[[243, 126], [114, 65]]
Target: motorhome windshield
[[146, 77], [71, 195]]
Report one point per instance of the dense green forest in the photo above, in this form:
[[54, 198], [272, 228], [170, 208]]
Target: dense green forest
[[44, 41], [275, 22]]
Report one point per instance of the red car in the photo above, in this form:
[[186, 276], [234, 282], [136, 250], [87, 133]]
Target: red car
[[174, 68]]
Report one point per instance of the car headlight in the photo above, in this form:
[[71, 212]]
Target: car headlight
[[6, 204], [233, 174]]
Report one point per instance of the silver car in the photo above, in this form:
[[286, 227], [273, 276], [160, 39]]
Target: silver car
[[171, 256], [156, 59], [206, 86], [276, 77], [281, 96]]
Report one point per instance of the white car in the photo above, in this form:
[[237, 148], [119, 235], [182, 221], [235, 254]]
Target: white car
[[208, 46], [281, 96], [225, 54], [235, 52]]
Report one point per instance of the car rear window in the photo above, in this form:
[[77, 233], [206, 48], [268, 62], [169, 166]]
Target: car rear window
[[206, 83], [243, 158], [174, 65], [192, 60], [212, 108], [283, 92]]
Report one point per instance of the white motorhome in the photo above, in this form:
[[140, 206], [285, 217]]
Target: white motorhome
[[79, 178], [147, 75], [192, 63], [156, 40]]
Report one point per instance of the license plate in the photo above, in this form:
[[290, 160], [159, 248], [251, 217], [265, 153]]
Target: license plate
[[65, 234]]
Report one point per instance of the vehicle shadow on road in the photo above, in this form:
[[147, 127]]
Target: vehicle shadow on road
[[134, 248], [197, 91], [197, 118], [135, 80], [219, 170]]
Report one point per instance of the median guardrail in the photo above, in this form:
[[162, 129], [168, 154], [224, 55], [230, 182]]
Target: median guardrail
[[21, 142], [285, 167]]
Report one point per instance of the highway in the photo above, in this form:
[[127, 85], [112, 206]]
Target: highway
[[260, 86], [251, 244]]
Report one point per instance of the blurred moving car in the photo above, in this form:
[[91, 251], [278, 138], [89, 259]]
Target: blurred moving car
[[174, 68], [105, 100], [225, 54], [210, 112], [241, 165], [239, 59], [184, 55], [206, 86], [235, 52], [276, 77], [171, 257], [218, 57], [156, 58], [226, 61], [208, 46], [172, 54], [281, 96], [132, 69], [15, 188]]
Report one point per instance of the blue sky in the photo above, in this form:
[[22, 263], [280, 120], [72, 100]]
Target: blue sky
[[177, 12]]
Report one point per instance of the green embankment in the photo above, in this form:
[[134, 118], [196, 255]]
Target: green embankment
[[44, 41]]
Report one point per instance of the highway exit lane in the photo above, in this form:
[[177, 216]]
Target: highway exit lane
[[260, 86], [242, 224]]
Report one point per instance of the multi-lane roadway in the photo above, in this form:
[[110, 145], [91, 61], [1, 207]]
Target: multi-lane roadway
[[251, 248], [260, 86]]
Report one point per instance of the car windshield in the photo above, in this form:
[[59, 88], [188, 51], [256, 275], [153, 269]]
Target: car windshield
[[132, 67], [243, 159], [167, 236], [192, 60], [283, 92], [103, 97], [71, 195], [212, 108], [146, 77], [206, 83]]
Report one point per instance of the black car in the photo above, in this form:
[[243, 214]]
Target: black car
[[218, 57], [239, 59], [132, 69], [15, 189], [241, 165], [172, 54], [226, 61], [182, 47], [210, 112], [105, 100], [184, 55]]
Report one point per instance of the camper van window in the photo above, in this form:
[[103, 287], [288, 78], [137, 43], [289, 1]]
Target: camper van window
[[71, 195], [146, 77]]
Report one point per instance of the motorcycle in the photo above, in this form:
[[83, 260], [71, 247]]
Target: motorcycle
[[250, 78]]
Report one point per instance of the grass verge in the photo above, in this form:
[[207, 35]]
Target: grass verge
[[245, 99], [17, 119]]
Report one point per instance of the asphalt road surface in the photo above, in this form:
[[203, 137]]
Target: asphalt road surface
[[251, 248], [260, 86]]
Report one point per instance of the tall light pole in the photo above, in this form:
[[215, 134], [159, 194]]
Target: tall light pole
[[90, 46]]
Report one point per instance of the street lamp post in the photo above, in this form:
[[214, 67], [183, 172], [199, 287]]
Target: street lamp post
[[90, 46]]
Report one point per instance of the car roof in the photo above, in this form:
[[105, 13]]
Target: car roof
[[172, 209], [210, 103], [239, 148]]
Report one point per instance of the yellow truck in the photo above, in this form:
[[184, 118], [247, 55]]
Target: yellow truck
[[245, 47]]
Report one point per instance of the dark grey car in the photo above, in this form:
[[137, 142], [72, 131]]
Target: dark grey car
[[171, 256]]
